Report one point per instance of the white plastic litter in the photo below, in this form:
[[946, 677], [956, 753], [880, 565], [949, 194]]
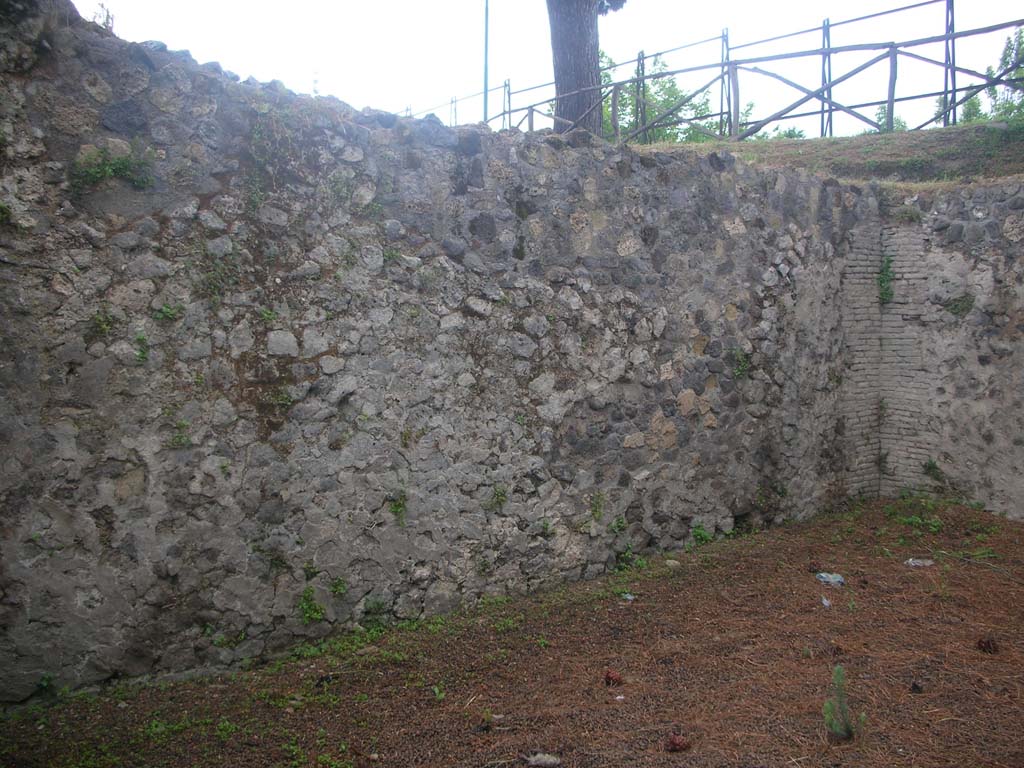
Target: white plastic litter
[[831, 579], [543, 760]]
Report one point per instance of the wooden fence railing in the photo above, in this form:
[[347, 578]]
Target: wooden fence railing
[[725, 77]]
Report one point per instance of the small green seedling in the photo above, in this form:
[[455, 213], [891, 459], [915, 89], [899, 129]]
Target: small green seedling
[[836, 709]]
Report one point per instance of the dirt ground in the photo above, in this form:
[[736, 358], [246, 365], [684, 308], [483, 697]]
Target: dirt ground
[[722, 657]]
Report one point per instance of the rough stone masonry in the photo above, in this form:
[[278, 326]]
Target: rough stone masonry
[[271, 366]]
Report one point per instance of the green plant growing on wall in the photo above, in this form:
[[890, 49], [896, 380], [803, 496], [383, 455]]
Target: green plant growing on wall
[[499, 495], [213, 275], [836, 709], [630, 561], [180, 438], [931, 469], [908, 214], [769, 495], [885, 280], [280, 399], [5, 215], [597, 506], [45, 682], [618, 525], [375, 614], [339, 587], [255, 195], [960, 306], [168, 313], [701, 535], [141, 347], [218, 275], [226, 641], [371, 210], [91, 170], [310, 610], [268, 316], [102, 322], [741, 364], [410, 436], [397, 507]]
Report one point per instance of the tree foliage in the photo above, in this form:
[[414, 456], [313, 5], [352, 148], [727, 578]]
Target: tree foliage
[[1008, 100], [657, 96], [778, 132], [968, 112], [881, 117]]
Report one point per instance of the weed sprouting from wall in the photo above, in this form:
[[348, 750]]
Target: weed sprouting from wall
[[886, 276], [97, 167]]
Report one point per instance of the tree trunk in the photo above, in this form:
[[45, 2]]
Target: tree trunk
[[574, 53]]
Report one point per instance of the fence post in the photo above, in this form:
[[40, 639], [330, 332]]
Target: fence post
[[890, 105], [949, 86], [529, 123], [734, 111], [640, 96], [615, 114]]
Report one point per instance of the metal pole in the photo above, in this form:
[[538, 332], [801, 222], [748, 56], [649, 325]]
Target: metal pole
[[890, 105], [826, 77], [487, 26]]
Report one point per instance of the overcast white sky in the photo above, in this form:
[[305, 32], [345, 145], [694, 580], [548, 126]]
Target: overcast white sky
[[418, 54]]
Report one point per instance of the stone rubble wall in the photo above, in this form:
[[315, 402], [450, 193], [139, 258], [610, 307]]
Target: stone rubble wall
[[272, 366]]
